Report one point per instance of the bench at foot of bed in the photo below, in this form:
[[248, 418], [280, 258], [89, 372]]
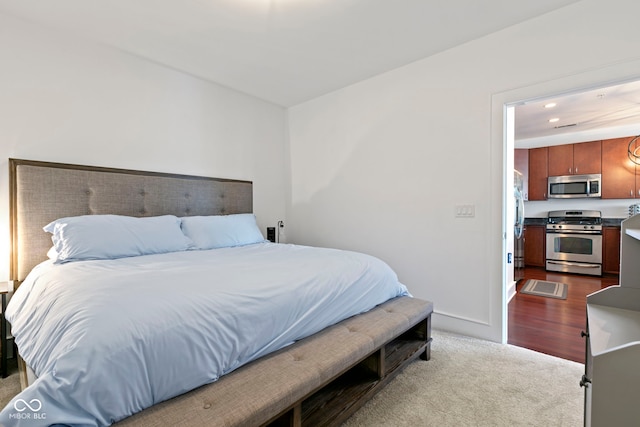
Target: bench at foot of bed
[[320, 380]]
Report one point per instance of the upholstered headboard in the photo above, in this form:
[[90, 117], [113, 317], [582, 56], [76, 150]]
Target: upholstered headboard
[[41, 192]]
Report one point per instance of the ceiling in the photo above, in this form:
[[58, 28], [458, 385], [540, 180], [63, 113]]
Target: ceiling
[[282, 51], [290, 51], [601, 113]]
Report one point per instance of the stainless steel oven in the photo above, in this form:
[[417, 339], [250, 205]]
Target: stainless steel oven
[[574, 242]]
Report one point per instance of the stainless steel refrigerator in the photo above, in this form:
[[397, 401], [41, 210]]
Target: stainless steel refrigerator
[[518, 227]]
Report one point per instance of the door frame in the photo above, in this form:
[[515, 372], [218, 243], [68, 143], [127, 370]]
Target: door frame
[[503, 146]]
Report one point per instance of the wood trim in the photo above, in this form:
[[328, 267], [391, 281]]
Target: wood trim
[[22, 372], [13, 163], [13, 223]]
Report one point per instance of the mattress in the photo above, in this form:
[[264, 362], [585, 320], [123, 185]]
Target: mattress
[[107, 339]]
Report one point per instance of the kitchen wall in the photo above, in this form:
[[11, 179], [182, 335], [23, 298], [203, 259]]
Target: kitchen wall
[[380, 166], [66, 100], [618, 208]]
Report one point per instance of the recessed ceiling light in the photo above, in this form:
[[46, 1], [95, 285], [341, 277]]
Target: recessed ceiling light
[[555, 119], [550, 105]]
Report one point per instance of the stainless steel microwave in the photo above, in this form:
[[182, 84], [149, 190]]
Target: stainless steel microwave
[[574, 186]]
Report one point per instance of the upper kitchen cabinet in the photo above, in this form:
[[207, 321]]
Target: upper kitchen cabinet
[[538, 173], [575, 159], [587, 157], [521, 164], [618, 172], [560, 160]]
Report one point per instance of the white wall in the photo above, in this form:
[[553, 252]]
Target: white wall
[[379, 166], [66, 100]]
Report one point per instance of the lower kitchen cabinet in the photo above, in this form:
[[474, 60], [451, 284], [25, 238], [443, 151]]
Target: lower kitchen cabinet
[[611, 250], [535, 245]]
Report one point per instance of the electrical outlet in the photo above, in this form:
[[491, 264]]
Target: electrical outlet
[[465, 211]]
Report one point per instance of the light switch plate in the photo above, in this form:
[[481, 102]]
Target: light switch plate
[[465, 211]]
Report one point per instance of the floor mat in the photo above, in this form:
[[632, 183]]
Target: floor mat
[[545, 289]]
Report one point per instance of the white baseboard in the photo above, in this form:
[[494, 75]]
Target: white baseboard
[[511, 291]]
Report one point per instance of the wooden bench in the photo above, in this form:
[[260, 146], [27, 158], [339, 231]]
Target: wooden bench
[[320, 380]]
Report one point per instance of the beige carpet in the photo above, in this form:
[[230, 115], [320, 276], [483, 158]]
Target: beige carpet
[[467, 382], [470, 382]]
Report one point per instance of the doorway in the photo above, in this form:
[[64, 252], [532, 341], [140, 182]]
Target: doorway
[[507, 104]]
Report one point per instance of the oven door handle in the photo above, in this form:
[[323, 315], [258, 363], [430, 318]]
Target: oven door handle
[[577, 264], [592, 232]]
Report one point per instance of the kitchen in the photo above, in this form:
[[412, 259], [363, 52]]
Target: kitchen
[[570, 136], [584, 138], [602, 164]]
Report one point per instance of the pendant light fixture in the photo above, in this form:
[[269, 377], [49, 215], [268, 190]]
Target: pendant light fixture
[[634, 152]]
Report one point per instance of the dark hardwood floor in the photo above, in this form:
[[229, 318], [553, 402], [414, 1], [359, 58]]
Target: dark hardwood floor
[[551, 325]]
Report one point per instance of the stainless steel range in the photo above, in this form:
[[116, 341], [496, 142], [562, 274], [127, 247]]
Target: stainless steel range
[[574, 242]]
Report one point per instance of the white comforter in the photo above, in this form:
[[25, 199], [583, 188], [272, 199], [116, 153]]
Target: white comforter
[[110, 338]]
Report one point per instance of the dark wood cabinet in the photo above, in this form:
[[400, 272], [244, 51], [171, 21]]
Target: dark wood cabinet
[[587, 157], [620, 176], [5, 339], [611, 250], [521, 164], [560, 159], [618, 172], [538, 173], [575, 159], [535, 245]]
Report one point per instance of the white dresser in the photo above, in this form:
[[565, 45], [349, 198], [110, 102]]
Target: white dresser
[[612, 364]]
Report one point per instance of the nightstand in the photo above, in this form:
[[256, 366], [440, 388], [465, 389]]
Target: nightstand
[[4, 329]]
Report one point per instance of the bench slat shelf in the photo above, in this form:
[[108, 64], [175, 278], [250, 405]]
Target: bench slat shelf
[[339, 399]]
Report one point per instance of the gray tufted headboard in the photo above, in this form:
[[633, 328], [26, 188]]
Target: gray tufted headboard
[[41, 192]]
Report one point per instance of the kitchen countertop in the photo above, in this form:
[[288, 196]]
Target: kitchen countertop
[[606, 222], [535, 221]]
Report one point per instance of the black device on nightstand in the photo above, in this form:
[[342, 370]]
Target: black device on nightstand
[[271, 234]]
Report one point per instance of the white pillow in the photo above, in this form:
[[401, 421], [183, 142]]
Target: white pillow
[[220, 231], [114, 236]]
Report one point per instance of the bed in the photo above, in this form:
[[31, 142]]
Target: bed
[[197, 322]]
